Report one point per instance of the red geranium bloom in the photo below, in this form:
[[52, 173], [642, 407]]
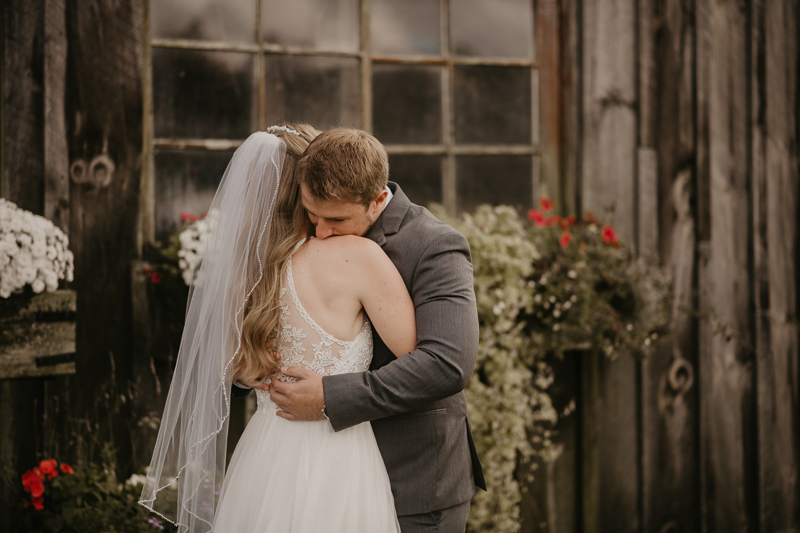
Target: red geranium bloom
[[67, 469], [185, 216], [569, 221], [38, 503], [609, 235], [32, 483], [554, 219], [148, 272], [536, 216], [49, 468], [156, 278], [194, 218], [565, 239], [546, 204]]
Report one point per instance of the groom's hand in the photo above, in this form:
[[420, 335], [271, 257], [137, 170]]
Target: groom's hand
[[299, 401]]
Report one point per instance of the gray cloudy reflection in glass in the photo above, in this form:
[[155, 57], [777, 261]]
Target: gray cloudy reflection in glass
[[500, 28], [405, 27], [212, 20], [319, 24]]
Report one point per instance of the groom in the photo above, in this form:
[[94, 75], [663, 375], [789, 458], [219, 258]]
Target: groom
[[416, 403]]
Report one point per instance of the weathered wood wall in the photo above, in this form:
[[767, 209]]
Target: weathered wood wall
[[675, 120], [72, 143], [686, 140]]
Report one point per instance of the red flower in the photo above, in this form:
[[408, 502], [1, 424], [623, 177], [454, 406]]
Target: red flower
[[148, 272], [67, 469], [546, 204], [194, 218], [583, 246], [204, 215], [32, 482], [609, 235], [569, 221], [536, 216], [554, 219], [185, 216], [49, 467], [156, 277], [589, 217], [565, 239], [38, 503]]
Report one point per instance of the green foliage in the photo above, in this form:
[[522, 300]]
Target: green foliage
[[509, 409], [538, 295], [91, 499]]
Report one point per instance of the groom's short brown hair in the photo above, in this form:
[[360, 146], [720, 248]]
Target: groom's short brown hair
[[344, 165]]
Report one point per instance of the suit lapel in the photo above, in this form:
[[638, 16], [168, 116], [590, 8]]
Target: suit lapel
[[389, 221]]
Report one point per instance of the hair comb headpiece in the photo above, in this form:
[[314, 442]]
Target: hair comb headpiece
[[283, 129]]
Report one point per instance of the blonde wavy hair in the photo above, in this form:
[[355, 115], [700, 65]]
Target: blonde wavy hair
[[290, 224]]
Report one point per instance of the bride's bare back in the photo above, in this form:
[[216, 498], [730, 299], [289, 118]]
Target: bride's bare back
[[338, 278]]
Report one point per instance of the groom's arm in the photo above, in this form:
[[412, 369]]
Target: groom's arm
[[446, 350]]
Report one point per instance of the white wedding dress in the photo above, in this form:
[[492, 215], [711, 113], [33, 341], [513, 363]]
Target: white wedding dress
[[302, 477]]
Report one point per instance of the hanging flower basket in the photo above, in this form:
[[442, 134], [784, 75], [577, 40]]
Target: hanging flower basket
[[37, 321]]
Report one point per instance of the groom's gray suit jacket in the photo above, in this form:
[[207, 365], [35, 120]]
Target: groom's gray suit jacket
[[416, 403]]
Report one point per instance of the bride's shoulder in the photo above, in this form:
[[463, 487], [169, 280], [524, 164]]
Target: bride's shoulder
[[349, 251]]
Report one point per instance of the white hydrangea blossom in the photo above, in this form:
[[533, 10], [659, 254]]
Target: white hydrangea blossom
[[194, 240], [33, 251]]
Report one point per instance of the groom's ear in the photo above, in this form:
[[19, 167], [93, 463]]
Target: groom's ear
[[378, 203]]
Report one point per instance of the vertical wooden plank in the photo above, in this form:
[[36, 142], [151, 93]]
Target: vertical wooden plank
[[56, 158], [547, 43], [608, 186], [726, 368], [670, 396], [23, 110], [778, 374], [572, 103], [104, 121]]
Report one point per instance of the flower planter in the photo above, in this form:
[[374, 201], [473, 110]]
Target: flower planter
[[37, 334]]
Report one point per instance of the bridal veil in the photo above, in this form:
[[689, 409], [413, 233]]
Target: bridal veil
[[188, 465]]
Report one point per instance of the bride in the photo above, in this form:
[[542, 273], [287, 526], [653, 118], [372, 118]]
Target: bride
[[265, 281]]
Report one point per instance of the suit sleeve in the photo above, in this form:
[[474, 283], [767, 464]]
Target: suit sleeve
[[447, 344]]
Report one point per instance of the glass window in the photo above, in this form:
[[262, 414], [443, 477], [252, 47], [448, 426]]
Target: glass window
[[407, 104], [420, 177], [200, 94], [187, 181], [211, 20], [492, 105], [405, 27], [494, 179], [319, 24], [500, 28], [324, 92]]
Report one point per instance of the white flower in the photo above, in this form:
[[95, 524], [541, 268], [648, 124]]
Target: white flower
[[556, 327], [572, 274], [33, 251], [573, 298], [556, 313], [567, 304], [537, 298], [629, 327], [136, 479], [647, 341]]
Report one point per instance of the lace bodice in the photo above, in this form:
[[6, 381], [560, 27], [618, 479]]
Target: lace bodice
[[302, 342]]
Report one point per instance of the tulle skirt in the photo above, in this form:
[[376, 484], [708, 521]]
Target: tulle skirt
[[302, 477]]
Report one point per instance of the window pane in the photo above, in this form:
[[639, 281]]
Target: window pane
[[324, 92], [405, 27], [494, 179], [202, 94], [407, 104], [323, 24], [497, 28], [212, 20], [420, 177], [492, 105], [185, 182]]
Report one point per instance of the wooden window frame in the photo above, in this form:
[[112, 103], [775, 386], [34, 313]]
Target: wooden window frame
[[448, 148]]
